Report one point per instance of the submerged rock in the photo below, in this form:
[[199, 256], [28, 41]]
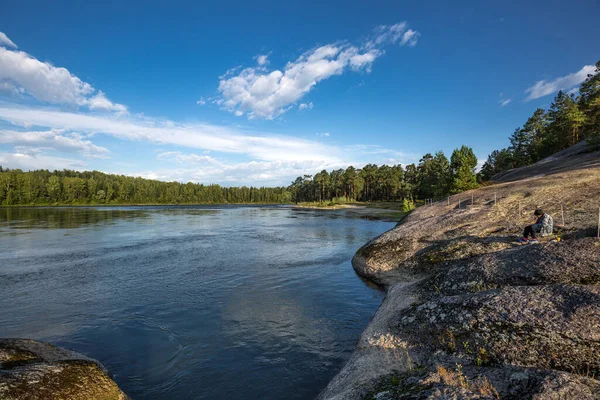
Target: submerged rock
[[36, 370]]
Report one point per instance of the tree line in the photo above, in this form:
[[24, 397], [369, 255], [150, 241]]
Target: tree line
[[43, 187], [433, 177], [569, 119]]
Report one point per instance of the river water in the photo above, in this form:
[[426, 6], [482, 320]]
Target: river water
[[231, 302]]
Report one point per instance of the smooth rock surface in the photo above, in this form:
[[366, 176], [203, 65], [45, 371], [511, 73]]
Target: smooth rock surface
[[36, 370]]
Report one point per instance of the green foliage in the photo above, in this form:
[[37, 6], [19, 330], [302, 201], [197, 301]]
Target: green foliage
[[80, 188], [407, 205], [463, 163], [589, 103], [433, 175], [569, 120]]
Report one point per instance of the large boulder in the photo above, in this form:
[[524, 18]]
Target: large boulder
[[31, 370]]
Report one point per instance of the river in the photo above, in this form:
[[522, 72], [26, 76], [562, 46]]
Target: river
[[221, 302]]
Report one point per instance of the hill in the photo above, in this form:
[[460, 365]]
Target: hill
[[470, 313]]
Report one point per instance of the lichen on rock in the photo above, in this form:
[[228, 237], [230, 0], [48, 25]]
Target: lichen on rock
[[472, 314], [31, 370]]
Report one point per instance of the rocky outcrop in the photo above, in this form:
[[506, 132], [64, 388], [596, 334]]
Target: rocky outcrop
[[470, 313], [36, 370]]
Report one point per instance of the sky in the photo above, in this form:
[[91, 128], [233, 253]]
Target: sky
[[258, 93]]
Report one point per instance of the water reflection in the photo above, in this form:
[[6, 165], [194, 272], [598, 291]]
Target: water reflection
[[75, 217], [184, 302]]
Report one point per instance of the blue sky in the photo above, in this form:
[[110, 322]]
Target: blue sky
[[258, 93]]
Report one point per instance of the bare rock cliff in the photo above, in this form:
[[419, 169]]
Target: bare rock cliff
[[470, 313]]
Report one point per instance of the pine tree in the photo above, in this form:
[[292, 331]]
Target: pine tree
[[589, 103], [462, 164], [520, 146], [535, 129]]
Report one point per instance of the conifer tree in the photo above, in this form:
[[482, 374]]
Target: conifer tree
[[463, 163]]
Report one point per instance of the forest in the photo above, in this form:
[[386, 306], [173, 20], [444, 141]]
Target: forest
[[569, 119], [80, 188]]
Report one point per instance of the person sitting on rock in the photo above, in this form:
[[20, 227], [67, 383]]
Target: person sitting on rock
[[544, 226]]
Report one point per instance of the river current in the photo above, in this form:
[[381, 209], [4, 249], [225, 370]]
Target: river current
[[223, 302]]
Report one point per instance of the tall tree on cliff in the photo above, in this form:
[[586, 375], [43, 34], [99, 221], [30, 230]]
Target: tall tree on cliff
[[462, 164], [497, 161], [535, 129], [589, 103], [521, 146], [565, 120]]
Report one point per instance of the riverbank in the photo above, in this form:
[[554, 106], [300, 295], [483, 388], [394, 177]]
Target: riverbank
[[383, 211], [470, 313]]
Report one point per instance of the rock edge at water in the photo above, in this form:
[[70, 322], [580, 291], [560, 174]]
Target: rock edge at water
[[471, 314], [32, 370]]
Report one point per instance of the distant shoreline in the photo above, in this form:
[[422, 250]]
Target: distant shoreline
[[366, 210], [139, 205]]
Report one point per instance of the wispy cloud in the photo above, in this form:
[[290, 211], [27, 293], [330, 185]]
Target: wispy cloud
[[26, 161], [5, 41], [305, 106], [262, 59], [202, 168], [503, 101], [199, 136], [55, 139], [259, 93], [543, 88]]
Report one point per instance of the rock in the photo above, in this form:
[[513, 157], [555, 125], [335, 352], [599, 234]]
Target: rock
[[31, 370], [550, 327], [471, 313]]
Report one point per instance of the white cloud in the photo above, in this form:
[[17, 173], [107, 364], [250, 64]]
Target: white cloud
[[199, 136], [325, 134], [504, 102], [32, 161], [187, 158], [198, 168], [543, 88], [259, 93], [262, 59], [305, 106], [409, 38], [50, 84], [53, 140], [100, 102], [480, 162], [5, 41], [201, 101]]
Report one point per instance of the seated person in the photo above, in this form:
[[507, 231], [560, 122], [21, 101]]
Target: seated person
[[544, 226]]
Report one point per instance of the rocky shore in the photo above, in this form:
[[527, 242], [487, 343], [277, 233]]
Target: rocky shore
[[31, 370], [470, 313]]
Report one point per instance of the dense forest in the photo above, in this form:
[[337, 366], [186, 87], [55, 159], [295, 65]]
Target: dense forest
[[78, 188], [434, 176], [569, 119]]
